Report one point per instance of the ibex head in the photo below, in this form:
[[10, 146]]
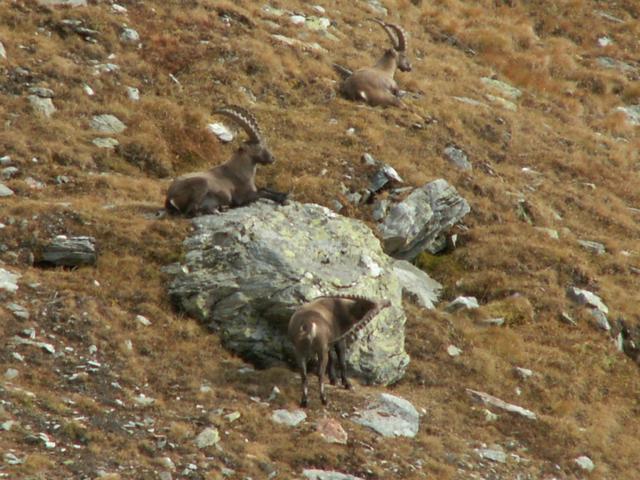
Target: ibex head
[[398, 39], [255, 147]]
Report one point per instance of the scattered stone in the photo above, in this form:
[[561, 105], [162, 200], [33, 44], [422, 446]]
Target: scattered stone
[[33, 183], [118, 8], [165, 475], [493, 322], [469, 101], [504, 103], [143, 401], [144, 321], [41, 92], [8, 425], [70, 252], [384, 177], [8, 280], [3, 52], [40, 438], [207, 438], [133, 93], [608, 62], [5, 191], [415, 283], [18, 310], [105, 142], [506, 90], [129, 35], [493, 454], [523, 373], [318, 24], [313, 474], [297, 19], [11, 459], [331, 431], [5, 160], [585, 463], [88, 90], [9, 172], [286, 417], [105, 68], [275, 391], [377, 7], [601, 319], [594, 247], [294, 42], [380, 208], [489, 416], [501, 404], [390, 416], [632, 112], [566, 318], [467, 303], [585, 297], [11, 373], [418, 222], [63, 3], [221, 131], [42, 106], [457, 157], [604, 41], [249, 270], [608, 16], [232, 417], [107, 124], [454, 351]]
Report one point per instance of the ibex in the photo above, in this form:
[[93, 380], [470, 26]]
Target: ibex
[[324, 324], [376, 85], [231, 184]]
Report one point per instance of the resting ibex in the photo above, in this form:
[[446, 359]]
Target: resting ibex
[[376, 85], [230, 184], [329, 323]]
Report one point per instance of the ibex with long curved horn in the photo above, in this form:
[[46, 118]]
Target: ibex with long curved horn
[[376, 85], [329, 323], [230, 184]]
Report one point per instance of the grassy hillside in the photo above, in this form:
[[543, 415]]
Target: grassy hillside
[[565, 159]]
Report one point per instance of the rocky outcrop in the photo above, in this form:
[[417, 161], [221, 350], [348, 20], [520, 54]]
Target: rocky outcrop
[[246, 271], [418, 223]]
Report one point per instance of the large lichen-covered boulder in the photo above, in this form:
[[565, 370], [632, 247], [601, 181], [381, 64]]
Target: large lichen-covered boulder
[[419, 222], [246, 271]]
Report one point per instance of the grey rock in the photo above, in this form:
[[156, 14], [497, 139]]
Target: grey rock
[[585, 297], [63, 3], [250, 268], [10, 459], [493, 454], [585, 463], [503, 102], [5, 191], [390, 416], [107, 124], [457, 157], [164, 475], [5, 160], [385, 176], [207, 438], [377, 7], [460, 303], [70, 252], [507, 91], [608, 62], [594, 247], [9, 172], [453, 351], [294, 42], [469, 101], [313, 474], [129, 35], [133, 93], [419, 221], [286, 417], [632, 112], [601, 319], [320, 24], [11, 373], [501, 404], [8, 280], [104, 68], [3, 52], [608, 16], [368, 159], [415, 283], [41, 92], [492, 322], [105, 142], [18, 310], [42, 106], [566, 318], [47, 347], [523, 373], [380, 208]]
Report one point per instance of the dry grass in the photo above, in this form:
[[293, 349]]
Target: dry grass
[[566, 129]]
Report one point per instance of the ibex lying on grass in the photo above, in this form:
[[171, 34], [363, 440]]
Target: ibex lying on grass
[[329, 323], [376, 85], [230, 184]]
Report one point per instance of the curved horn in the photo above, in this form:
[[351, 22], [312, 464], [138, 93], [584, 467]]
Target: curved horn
[[402, 36], [243, 118], [387, 28]]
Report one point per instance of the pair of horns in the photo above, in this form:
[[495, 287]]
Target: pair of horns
[[244, 119], [396, 34]]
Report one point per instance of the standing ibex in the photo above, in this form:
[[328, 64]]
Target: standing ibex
[[230, 184], [376, 85], [329, 323]]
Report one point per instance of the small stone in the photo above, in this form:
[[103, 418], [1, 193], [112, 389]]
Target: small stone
[[166, 462], [457, 157], [133, 93], [11, 459], [88, 90], [5, 160], [313, 474], [207, 438], [632, 113], [498, 403], [368, 160], [453, 351], [143, 401], [8, 280], [3, 52], [63, 3], [42, 106], [274, 394], [70, 252], [18, 310], [5, 191], [11, 373], [165, 475], [585, 297], [508, 91], [459, 303], [331, 431], [9, 172], [232, 417], [8, 425], [129, 35], [489, 416], [390, 416], [286, 417], [41, 92], [297, 19], [105, 142], [601, 319], [566, 318], [604, 41], [318, 9], [107, 123], [594, 247], [494, 322], [585, 463], [493, 454], [523, 373], [221, 131], [143, 320]]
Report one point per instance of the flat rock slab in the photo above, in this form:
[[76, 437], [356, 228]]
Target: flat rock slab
[[585, 297], [416, 284], [245, 272], [8, 281], [70, 252], [501, 404], [390, 416], [331, 431], [63, 3], [107, 124], [43, 106], [286, 417], [207, 438], [5, 191], [312, 474]]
